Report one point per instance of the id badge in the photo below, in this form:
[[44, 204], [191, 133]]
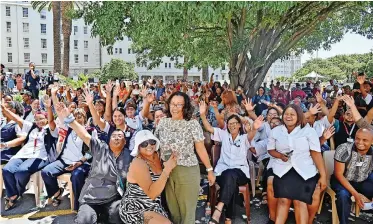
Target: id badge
[[28, 84], [359, 164], [350, 140], [127, 134], [120, 191]]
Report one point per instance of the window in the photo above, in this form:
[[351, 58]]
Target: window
[[43, 28], [120, 50], [223, 67], [76, 58], [43, 14], [26, 42], [86, 44], [10, 57], [116, 50], [26, 57], [75, 44], [86, 58], [25, 12], [8, 27], [75, 30], [9, 42], [85, 30], [44, 58], [85, 71], [10, 70], [129, 50], [43, 43], [7, 10], [26, 27], [165, 65], [169, 65]]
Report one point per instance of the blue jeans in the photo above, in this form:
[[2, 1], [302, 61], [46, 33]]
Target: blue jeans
[[57, 168], [343, 201], [17, 173], [7, 154]]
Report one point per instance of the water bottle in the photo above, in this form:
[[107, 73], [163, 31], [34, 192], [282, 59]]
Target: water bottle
[[43, 201], [207, 213]]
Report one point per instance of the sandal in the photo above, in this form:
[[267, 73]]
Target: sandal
[[56, 201], [9, 203], [264, 198], [212, 220]]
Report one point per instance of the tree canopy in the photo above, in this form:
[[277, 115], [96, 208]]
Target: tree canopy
[[248, 36], [118, 69], [339, 67]]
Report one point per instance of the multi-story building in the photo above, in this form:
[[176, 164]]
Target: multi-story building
[[167, 70], [27, 36], [285, 67]]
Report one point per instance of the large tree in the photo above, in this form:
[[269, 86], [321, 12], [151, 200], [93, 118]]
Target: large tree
[[340, 67], [118, 69], [56, 10], [249, 36]]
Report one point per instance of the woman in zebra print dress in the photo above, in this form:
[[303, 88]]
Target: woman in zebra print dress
[[141, 202]]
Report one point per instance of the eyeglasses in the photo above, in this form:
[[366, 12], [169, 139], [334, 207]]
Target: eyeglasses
[[275, 123], [177, 105], [146, 143]]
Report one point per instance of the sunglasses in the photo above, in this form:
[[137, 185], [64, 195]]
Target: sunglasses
[[146, 143]]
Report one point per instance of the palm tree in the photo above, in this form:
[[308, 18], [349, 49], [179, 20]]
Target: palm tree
[[56, 9], [66, 7]]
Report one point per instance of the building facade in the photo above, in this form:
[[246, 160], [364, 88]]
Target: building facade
[[27, 36], [284, 68]]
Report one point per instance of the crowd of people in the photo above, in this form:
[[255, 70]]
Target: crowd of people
[[135, 151]]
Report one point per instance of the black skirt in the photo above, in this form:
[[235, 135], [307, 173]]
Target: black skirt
[[292, 186]]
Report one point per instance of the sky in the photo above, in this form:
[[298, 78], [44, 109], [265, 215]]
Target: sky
[[350, 44]]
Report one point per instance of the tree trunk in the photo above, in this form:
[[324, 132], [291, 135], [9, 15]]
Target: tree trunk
[[185, 69], [66, 30], [56, 8], [205, 74]]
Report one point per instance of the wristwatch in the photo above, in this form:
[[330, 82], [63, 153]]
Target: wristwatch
[[209, 169]]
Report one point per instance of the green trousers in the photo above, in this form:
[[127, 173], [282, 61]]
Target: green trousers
[[182, 191]]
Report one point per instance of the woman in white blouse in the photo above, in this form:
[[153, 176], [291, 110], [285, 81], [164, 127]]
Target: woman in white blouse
[[232, 169], [297, 160]]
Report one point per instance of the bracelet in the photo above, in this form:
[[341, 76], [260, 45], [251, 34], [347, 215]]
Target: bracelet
[[6, 145], [209, 169], [81, 161], [69, 119]]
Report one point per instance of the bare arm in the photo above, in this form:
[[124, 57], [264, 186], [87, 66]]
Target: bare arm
[[319, 162], [202, 153], [369, 116], [333, 111], [139, 173], [12, 116], [97, 120], [16, 142], [108, 107], [51, 122], [206, 124]]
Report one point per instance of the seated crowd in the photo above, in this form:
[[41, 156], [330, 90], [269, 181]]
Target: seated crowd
[[134, 153]]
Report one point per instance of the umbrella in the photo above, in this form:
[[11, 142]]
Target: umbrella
[[313, 75]]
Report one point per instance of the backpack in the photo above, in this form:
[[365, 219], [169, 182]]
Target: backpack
[[49, 143]]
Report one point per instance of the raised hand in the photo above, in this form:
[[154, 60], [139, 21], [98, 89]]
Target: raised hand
[[88, 96], [150, 97], [315, 109], [116, 91], [109, 86], [62, 111], [248, 104], [54, 89], [47, 101], [202, 108], [258, 122], [329, 132], [361, 79], [143, 93], [348, 100], [319, 98]]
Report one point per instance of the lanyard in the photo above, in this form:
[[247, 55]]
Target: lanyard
[[352, 129]]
